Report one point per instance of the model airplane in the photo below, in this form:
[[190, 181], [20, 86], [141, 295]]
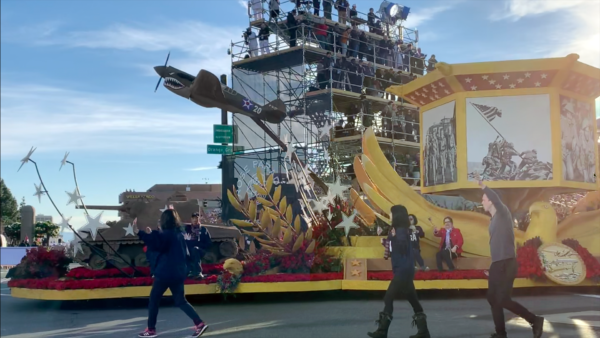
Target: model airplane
[[207, 91]]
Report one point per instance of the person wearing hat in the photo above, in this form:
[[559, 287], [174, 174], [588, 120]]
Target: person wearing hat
[[198, 242], [400, 250]]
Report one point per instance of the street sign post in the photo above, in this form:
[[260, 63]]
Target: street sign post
[[223, 134], [218, 149]]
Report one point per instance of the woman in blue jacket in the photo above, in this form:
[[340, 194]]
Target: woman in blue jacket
[[403, 267], [170, 270]]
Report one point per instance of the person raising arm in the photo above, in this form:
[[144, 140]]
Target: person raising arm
[[503, 271]]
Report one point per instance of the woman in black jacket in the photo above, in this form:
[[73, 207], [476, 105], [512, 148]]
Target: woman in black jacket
[[404, 273], [170, 270]]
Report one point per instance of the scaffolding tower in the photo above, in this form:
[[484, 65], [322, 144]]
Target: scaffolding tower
[[329, 101]]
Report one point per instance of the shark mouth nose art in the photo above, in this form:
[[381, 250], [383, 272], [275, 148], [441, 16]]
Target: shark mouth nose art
[[173, 83]]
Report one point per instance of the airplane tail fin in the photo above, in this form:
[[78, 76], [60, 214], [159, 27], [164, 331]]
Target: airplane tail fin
[[207, 85]]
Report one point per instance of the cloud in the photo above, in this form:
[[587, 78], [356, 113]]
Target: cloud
[[243, 3], [55, 119], [575, 30], [203, 46], [202, 169], [421, 16]]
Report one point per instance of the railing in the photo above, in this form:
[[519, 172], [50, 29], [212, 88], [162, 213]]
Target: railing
[[359, 46], [260, 10]]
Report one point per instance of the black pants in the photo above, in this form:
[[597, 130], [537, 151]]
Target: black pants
[[195, 260], [293, 37], [405, 287], [418, 258], [159, 286], [444, 256], [500, 284], [327, 9]]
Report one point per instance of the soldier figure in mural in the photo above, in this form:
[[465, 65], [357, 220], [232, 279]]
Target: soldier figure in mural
[[508, 152], [440, 153], [499, 157]]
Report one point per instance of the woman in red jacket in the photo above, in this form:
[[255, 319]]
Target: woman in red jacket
[[450, 245]]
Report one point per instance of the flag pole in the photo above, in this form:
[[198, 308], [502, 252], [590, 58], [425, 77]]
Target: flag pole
[[486, 120]]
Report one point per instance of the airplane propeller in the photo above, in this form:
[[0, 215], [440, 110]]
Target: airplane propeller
[[160, 78]]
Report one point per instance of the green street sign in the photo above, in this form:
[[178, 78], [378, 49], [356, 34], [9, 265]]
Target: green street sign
[[223, 133], [218, 149]]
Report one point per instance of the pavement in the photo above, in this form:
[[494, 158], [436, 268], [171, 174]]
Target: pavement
[[314, 315]]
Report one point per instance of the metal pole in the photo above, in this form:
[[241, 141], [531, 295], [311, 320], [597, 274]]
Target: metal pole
[[224, 163]]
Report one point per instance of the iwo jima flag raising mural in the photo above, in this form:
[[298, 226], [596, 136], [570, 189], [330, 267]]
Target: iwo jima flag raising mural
[[517, 142]]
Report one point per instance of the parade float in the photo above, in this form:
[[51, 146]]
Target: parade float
[[474, 119]]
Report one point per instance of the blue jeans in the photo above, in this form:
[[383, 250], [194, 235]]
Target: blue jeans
[[418, 258], [159, 286]]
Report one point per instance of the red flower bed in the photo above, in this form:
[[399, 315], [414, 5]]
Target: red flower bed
[[528, 260], [83, 273], [432, 275], [104, 283], [592, 266]]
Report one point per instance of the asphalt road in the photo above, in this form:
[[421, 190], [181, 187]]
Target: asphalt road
[[315, 315]]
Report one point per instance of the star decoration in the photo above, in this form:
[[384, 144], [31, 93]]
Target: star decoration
[[569, 106], [512, 86], [319, 205], [492, 82], [447, 91], [485, 77], [64, 224], [347, 223], [412, 97], [425, 90], [498, 86], [324, 131], [129, 230], [290, 151], [337, 189], [76, 243], [417, 93], [506, 76], [544, 76], [537, 84], [93, 225], [356, 273], [434, 91], [64, 160], [26, 158], [421, 102], [379, 230], [441, 84], [355, 262], [520, 80], [38, 192], [527, 74], [474, 88], [437, 96], [74, 197]]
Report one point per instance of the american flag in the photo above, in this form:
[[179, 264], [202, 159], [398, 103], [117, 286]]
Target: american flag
[[488, 112]]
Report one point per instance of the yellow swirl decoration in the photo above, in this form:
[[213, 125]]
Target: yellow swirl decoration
[[384, 188]]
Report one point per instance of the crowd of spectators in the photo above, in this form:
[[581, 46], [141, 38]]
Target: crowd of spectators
[[345, 37]]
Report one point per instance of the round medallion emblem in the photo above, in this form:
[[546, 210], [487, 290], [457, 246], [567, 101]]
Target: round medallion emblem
[[562, 264]]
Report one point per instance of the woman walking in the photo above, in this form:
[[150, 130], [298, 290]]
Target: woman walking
[[403, 266], [170, 270]]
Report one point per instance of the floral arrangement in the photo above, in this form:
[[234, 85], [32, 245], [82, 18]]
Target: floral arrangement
[[528, 260], [275, 226], [592, 266], [228, 282], [42, 262], [84, 273]]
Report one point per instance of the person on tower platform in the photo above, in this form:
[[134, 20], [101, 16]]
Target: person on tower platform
[[317, 6], [273, 10], [292, 24], [263, 38], [256, 9], [327, 7], [342, 7]]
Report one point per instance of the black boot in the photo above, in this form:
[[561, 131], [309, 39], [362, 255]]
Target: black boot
[[383, 325], [420, 319]]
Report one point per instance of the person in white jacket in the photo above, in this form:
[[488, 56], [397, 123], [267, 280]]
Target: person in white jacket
[[256, 9], [253, 43]]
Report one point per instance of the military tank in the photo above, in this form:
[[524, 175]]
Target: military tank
[[130, 248]]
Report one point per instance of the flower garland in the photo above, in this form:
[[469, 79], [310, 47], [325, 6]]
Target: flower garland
[[84, 273], [528, 260], [592, 266], [432, 275], [225, 283]]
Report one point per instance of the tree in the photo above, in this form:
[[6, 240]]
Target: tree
[[47, 230], [8, 204], [13, 233]]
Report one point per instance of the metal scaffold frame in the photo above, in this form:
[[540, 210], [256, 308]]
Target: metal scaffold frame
[[291, 74]]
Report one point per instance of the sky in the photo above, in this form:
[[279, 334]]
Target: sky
[[77, 76]]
